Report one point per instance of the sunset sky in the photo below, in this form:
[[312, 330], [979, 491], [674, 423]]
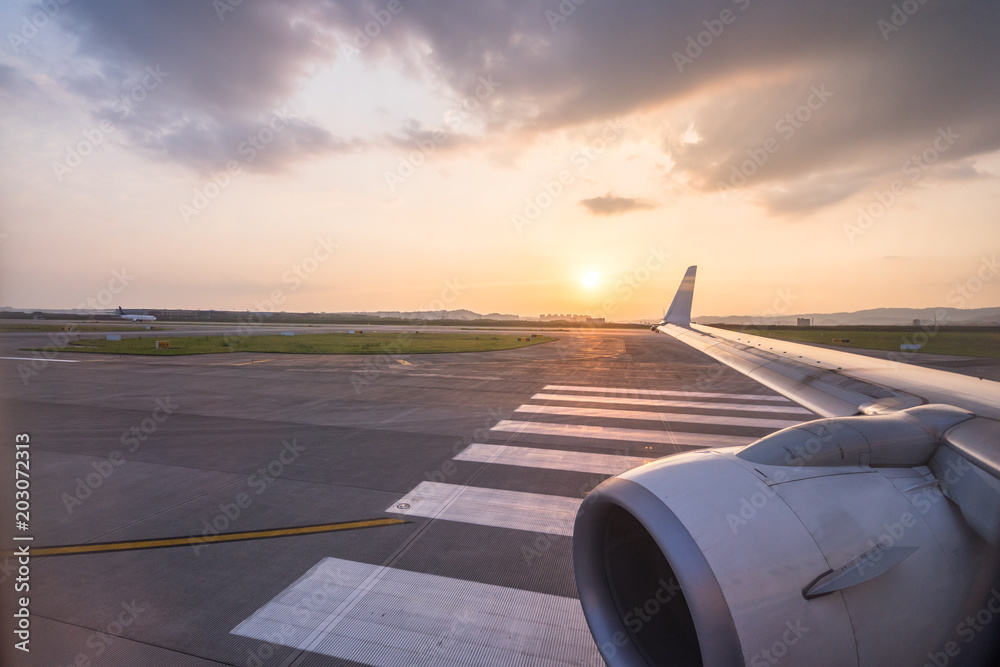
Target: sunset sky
[[516, 157]]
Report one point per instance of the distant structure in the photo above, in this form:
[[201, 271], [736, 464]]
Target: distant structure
[[803, 322], [595, 320], [916, 323], [563, 318]]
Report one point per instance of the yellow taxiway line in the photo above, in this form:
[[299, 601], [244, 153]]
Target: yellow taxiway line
[[208, 539], [247, 363]]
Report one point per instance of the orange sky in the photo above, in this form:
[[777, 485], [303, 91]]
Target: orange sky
[[497, 166]]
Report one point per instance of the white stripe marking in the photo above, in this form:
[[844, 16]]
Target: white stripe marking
[[664, 392], [536, 512], [384, 616], [664, 417], [551, 459], [627, 434], [707, 405], [44, 359]]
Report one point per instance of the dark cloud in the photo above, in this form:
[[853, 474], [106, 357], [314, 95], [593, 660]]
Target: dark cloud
[[890, 90], [188, 86], [887, 91], [413, 137], [612, 205]]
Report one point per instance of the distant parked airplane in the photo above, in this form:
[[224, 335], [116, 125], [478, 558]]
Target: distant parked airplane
[[135, 318]]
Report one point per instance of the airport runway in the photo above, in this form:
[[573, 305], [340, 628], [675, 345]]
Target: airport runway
[[338, 510]]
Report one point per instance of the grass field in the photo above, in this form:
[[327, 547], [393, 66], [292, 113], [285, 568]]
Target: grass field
[[970, 343], [327, 343]]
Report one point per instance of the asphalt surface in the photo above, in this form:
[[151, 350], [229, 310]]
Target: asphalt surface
[[466, 468]]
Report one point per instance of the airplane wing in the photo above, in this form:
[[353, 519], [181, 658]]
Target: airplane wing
[[829, 382], [868, 537]]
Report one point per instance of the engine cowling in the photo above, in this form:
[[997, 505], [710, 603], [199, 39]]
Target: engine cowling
[[803, 548]]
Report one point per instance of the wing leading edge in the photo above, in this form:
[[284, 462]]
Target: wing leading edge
[[832, 383], [840, 384]]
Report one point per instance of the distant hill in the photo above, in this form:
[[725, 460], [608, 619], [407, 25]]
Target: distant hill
[[435, 315], [874, 316]]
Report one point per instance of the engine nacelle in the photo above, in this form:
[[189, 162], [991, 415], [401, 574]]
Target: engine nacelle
[[797, 549]]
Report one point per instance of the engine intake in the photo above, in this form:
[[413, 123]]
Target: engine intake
[[750, 556]]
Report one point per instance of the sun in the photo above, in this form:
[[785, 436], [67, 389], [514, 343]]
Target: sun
[[590, 279]]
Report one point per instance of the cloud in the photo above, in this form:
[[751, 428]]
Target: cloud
[[611, 205], [894, 80], [738, 73], [221, 79]]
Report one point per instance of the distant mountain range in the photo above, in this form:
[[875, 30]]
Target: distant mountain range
[[873, 316], [435, 315]]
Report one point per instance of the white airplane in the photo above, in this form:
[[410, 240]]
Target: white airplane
[[870, 536], [134, 318]]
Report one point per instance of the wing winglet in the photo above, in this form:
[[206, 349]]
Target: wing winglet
[[679, 312]]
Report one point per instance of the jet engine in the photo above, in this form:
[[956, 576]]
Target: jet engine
[[863, 540]]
